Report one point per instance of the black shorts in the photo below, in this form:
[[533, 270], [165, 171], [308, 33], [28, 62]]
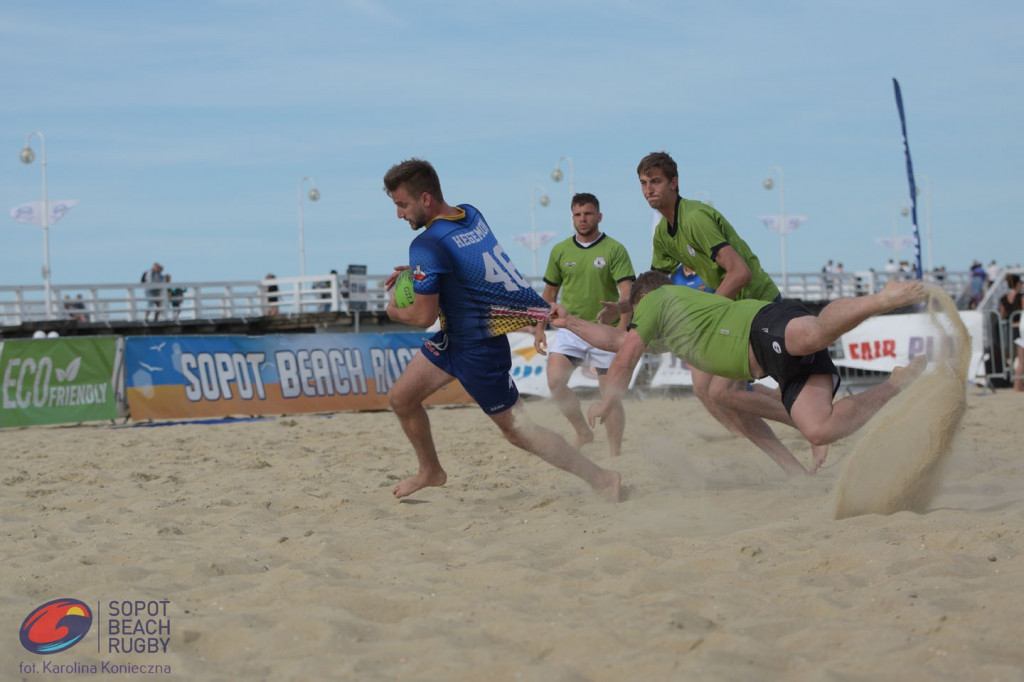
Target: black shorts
[[768, 341]]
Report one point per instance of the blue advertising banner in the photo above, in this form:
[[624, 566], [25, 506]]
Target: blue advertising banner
[[172, 377]]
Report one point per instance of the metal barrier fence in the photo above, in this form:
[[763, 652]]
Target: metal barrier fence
[[999, 334], [1001, 348]]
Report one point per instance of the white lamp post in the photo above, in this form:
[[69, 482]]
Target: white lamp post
[[543, 201], [557, 176], [28, 156], [768, 185], [314, 195]]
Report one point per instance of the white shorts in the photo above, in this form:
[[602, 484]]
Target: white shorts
[[567, 343]]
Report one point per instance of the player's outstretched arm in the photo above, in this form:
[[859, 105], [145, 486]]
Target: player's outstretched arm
[[613, 310], [617, 379], [600, 335]]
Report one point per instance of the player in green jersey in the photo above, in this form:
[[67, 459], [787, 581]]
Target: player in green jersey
[[587, 268], [696, 235], [752, 339]]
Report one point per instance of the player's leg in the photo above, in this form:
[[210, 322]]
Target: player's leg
[[823, 422], [760, 401], [735, 396], [702, 389], [560, 368], [707, 387], [615, 418], [809, 334], [753, 427], [522, 432], [614, 421], [419, 380]]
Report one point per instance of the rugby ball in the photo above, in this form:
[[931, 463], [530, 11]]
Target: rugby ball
[[404, 294]]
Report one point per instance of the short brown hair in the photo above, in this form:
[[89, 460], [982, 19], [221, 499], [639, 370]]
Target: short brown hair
[[646, 283], [660, 161], [584, 198], [416, 175]]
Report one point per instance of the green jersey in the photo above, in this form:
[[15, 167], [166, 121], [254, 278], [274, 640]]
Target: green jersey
[[588, 274], [706, 330], [693, 241]]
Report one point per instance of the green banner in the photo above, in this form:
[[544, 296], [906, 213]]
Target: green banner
[[58, 381]]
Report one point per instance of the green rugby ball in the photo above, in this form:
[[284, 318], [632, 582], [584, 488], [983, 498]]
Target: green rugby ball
[[404, 294]]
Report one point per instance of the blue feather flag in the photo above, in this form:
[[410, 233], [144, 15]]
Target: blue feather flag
[[910, 179]]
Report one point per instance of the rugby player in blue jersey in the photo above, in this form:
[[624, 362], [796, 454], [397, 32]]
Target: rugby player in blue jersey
[[462, 276]]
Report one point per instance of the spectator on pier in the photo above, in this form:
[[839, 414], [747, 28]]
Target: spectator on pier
[[176, 295], [1010, 310], [827, 280], [978, 277], [991, 274], [155, 297], [270, 294]]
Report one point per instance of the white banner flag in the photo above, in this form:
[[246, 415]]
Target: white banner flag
[[525, 240], [792, 222], [32, 212], [896, 243]]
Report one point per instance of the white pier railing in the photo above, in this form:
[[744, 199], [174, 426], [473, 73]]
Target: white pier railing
[[346, 293]]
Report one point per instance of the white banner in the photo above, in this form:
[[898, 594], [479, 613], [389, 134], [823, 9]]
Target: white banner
[[525, 239], [772, 222], [896, 243], [887, 341], [32, 212]]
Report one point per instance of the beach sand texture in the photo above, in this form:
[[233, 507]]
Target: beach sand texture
[[284, 555]]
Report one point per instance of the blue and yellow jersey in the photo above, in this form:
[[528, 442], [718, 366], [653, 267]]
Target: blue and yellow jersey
[[482, 294]]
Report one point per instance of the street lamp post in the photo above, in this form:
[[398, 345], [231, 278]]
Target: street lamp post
[[314, 195], [557, 176], [28, 156], [768, 185], [543, 201]]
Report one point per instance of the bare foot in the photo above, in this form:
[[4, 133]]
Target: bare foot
[[419, 481], [899, 294], [584, 437], [609, 483], [902, 376], [819, 453]]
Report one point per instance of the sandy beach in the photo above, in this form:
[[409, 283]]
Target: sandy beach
[[281, 554]]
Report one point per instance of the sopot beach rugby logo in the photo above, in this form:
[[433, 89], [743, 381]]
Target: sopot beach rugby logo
[[56, 626]]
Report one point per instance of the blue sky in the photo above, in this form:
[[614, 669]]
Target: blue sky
[[183, 127]]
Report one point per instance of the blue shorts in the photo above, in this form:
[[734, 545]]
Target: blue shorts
[[482, 367]]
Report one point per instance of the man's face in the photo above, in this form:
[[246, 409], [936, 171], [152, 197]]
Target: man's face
[[585, 218], [660, 192], [410, 209]]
